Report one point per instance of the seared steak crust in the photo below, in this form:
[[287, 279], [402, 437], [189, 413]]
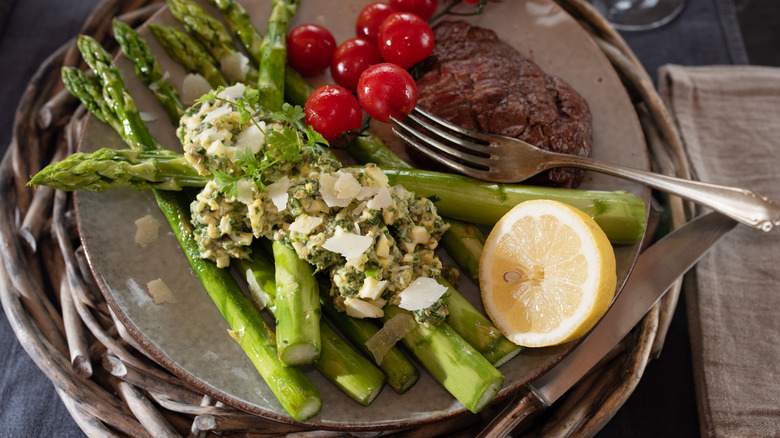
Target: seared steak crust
[[477, 81]]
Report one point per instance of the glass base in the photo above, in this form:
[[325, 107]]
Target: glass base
[[638, 14]]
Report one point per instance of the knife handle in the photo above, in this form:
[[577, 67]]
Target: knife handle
[[523, 407]]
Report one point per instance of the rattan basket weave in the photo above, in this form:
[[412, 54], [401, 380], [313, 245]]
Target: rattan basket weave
[[106, 382]]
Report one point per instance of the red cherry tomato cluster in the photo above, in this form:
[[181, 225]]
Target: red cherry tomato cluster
[[391, 38]]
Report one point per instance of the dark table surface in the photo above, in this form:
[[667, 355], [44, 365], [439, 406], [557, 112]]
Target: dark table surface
[[708, 32]]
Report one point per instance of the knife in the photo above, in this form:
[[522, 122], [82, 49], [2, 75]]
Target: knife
[[656, 269]]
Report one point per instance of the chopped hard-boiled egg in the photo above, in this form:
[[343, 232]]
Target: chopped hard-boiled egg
[[372, 288], [305, 224], [358, 308]]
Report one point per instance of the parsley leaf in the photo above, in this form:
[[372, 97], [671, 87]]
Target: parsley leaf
[[289, 113], [286, 142], [226, 184]]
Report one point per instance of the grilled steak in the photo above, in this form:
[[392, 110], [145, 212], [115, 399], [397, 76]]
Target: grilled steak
[[477, 81]]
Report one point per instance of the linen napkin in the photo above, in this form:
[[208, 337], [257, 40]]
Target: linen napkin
[[729, 120]]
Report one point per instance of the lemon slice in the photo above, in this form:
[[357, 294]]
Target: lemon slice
[[547, 273]]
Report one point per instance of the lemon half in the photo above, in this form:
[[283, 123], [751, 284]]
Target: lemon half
[[547, 273]]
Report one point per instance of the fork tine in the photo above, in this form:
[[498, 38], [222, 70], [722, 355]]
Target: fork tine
[[462, 168], [451, 126], [441, 147], [466, 143]]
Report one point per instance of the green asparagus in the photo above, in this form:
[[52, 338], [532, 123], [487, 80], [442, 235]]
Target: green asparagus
[[148, 69], [89, 91], [620, 214], [297, 308], [465, 373], [188, 53], [338, 361], [213, 35], [273, 54], [238, 21], [116, 95]]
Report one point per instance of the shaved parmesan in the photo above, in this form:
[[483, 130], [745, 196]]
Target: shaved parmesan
[[328, 191], [147, 229], [422, 293], [233, 92], [251, 137], [381, 200], [347, 244], [235, 66], [367, 192], [347, 187], [244, 191], [391, 332], [278, 193], [147, 116], [193, 87], [358, 308], [305, 224], [160, 292]]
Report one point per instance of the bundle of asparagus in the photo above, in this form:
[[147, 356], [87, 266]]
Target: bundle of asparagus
[[146, 166]]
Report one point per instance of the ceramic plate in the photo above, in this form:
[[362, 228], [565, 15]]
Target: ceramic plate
[[189, 336]]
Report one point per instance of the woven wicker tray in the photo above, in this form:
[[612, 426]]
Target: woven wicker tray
[[108, 384]]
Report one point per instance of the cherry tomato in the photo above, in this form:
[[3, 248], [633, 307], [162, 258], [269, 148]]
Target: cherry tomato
[[351, 58], [332, 110], [405, 39], [474, 2], [386, 90], [310, 48], [370, 18], [421, 8]]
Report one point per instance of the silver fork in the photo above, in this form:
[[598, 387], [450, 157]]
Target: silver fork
[[503, 159]]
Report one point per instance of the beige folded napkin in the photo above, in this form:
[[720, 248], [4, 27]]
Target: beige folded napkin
[[729, 119]]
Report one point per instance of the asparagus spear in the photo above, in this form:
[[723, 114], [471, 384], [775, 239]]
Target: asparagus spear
[[273, 54], [89, 91], [211, 33], [464, 242], [115, 94], [238, 21], [297, 308], [338, 361], [465, 373], [620, 214], [401, 373], [294, 391], [189, 53], [148, 69]]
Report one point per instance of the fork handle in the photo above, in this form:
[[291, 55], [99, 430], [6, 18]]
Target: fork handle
[[744, 205]]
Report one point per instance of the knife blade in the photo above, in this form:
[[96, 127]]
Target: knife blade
[[656, 269]]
